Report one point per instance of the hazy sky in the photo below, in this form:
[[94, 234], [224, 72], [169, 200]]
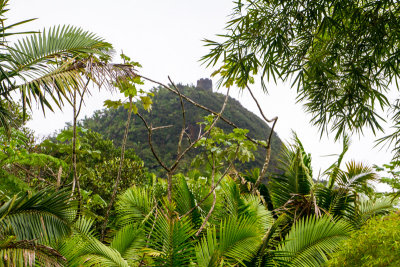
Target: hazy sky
[[165, 37]]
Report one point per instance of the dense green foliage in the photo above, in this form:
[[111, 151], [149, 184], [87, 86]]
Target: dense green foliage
[[375, 244], [166, 111], [213, 210], [341, 55]]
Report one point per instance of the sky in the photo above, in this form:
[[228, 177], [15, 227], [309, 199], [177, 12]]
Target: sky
[[166, 38]]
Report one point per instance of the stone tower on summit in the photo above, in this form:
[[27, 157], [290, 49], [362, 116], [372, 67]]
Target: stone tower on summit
[[204, 84]]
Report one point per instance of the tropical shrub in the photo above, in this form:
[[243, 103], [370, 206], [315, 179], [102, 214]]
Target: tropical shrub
[[377, 243]]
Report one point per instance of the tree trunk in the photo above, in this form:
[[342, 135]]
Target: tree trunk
[[114, 194]]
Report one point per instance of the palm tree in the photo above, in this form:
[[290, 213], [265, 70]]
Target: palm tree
[[48, 65], [345, 193]]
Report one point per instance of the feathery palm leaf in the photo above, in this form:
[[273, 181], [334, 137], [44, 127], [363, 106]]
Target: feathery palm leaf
[[83, 249], [185, 199], [44, 216], [266, 254], [369, 208], [96, 253], [237, 242], [335, 202], [311, 239], [28, 253], [135, 205], [296, 177], [128, 241], [46, 61], [334, 169], [171, 241], [356, 177]]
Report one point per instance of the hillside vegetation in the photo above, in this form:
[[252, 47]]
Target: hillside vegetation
[[166, 111]]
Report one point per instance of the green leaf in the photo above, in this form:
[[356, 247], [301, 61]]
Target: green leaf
[[147, 102], [112, 104]]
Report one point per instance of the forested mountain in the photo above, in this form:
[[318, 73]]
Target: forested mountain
[[167, 111]]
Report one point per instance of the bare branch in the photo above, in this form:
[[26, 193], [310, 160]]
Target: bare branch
[[259, 107], [214, 199], [202, 135], [215, 186], [161, 127], [32, 174], [81, 102], [202, 107], [59, 177], [183, 116], [150, 133], [267, 158], [268, 152]]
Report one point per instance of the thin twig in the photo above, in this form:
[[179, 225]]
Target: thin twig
[[117, 181], [150, 133], [259, 107], [32, 174], [214, 199], [267, 158], [83, 93], [161, 127], [268, 147], [213, 188], [183, 116], [202, 107], [179, 157]]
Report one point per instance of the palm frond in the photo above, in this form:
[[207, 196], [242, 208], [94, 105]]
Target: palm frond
[[369, 208], [185, 199], [266, 253], [232, 202], [57, 42], [171, 240], [28, 253], [334, 169], [134, 205], [96, 253], [44, 216], [296, 177], [311, 239], [83, 249], [128, 241], [238, 241], [335, 202], [50, 64], [207, 253], [357, 177], [257, 210]]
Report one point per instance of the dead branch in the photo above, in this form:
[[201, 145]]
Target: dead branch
[[202, 107], [150, 133], [117, 181], [268, 147], [81, 95], [32, 174], [59, 177], [175, 164], [215, 186], [214, 199], [161, 127], [183, 116], [259, 107]]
